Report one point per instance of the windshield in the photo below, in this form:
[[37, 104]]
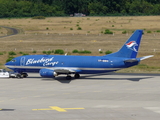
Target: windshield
[[13, 60]]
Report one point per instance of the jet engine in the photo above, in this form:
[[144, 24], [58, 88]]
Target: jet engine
[[47, 73]]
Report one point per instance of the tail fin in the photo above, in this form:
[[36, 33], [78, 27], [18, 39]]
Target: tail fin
[[130, 48]]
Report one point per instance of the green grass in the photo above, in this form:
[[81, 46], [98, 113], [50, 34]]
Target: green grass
[[79, 28], [107, 31], [108, 52], [59, 51], [149, 31], [124, 32], [85, 52]]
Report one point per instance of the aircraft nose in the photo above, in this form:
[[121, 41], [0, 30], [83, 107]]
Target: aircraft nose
[[8, 63]]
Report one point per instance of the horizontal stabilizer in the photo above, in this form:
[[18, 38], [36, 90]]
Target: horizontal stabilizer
[[145, 57]]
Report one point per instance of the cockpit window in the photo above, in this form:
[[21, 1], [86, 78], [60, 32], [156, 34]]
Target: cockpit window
[[13, 60]]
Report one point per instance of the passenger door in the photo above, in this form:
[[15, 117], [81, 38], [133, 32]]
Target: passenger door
[[22, 62]]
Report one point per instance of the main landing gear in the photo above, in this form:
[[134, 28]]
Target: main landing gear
[[69, 77], [76, 76], [24, 75]]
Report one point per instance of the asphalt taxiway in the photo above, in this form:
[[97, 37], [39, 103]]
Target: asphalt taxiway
[[92, 97]]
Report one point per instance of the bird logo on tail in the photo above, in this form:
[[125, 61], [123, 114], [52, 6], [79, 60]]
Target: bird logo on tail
[[132, 45]]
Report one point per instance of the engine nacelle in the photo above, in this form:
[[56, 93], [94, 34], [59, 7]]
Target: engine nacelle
[[47, 73]]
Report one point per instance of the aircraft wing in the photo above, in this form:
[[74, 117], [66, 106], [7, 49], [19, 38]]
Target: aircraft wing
[[55, 71], [66, 70]]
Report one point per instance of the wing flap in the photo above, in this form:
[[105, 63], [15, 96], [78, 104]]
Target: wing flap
[[66, 70], [63, 71]]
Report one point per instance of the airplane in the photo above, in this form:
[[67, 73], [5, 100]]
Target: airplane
[[50, 66]]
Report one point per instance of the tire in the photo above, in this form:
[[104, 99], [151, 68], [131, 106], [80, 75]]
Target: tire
[[76, 76], [19, 76], [24, 75]]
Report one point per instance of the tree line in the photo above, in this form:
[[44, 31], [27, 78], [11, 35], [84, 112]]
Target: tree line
[[30, 8]]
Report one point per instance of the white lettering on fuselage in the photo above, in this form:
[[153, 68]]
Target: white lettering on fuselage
[[44, 61], [103, 60]]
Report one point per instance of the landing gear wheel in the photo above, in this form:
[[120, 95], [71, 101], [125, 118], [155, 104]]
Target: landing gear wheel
[[24, 75], [68, 77], [76, 76], [19, 76]]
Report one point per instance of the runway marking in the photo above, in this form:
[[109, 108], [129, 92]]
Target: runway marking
[[58, 109]]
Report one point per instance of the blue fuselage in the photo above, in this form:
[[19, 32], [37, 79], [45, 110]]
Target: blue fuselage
[[82, 64]]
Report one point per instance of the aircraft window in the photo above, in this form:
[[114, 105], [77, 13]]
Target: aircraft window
[[13, 60]]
